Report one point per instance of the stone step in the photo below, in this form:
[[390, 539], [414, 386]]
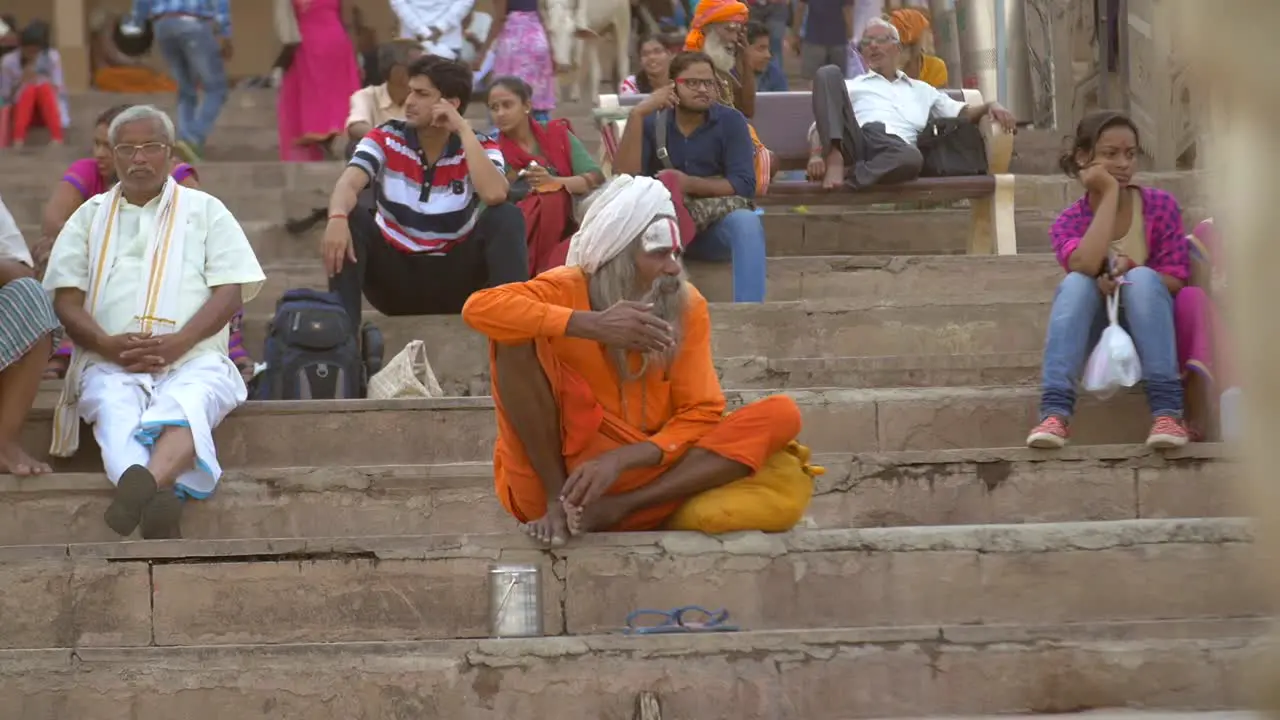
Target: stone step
[[866, 278], [1116, 715], [755, 373], [931, 232], [249, 591], [462, 429], [940, 487], [782, 330], [31, 176], [263, 215], [829, 674]]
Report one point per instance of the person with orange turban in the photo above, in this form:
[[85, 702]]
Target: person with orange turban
[[718, 29], [713, 12], [918, 60]]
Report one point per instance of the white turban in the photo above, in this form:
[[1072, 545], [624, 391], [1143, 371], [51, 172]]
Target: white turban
[[616, 215]]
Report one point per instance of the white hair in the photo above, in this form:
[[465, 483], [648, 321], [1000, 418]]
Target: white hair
[[879, 22], [138, 113]]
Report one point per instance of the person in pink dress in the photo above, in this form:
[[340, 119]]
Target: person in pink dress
[[318, 83], [522, 48]]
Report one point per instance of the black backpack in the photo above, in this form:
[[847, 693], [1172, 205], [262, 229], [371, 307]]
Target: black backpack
[[311, 350], [952, 147]]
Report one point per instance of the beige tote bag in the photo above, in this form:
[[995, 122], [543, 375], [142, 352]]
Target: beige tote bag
[[408, 375]]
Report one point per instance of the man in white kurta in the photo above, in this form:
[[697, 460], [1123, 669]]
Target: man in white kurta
[[146, 289]]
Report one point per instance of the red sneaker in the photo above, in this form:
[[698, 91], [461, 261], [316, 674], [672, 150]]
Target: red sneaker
[[1051, 434], [1167, 433]]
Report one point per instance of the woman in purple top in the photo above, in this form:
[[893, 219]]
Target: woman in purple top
[[93, 176], [1117, 238]]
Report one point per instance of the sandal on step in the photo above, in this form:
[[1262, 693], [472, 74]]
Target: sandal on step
[[675, 621], [162, 517], [136, 488]]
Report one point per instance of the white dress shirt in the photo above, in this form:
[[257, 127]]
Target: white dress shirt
[[419, 18], [903, 105]]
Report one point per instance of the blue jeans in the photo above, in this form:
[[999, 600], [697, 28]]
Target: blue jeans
[[737, 238], [195, 59], [1078, 317]]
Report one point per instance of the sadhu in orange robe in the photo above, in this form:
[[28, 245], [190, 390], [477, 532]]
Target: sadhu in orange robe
[[676, 408]]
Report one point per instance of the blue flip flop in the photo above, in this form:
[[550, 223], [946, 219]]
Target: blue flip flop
[[674, 621]]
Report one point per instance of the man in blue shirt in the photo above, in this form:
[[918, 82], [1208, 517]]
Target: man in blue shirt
[[194, 36], [710, 154]]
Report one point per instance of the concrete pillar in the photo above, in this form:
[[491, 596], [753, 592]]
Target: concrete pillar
[[71, 38]]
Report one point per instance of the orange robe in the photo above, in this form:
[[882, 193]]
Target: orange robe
[[676, 408]]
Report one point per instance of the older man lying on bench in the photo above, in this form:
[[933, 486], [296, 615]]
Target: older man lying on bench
[[866, 128], [610, 412]]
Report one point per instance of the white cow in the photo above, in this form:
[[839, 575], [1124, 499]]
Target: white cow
[[576, 27]]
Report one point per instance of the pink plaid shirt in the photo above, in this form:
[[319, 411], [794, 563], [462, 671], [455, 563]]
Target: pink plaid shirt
[[1168, 251]]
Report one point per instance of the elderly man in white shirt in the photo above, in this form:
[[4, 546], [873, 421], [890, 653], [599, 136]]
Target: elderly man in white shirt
[[145, 279], [437, 24], [869, 124], [26, 341]]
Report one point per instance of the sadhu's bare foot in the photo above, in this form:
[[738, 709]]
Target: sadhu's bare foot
[[14, 460], [835, 172], [600, 515], [551, 529]]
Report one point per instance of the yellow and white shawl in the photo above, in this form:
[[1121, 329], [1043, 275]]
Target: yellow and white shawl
[[157, 299]]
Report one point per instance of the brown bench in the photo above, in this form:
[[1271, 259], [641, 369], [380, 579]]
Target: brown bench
[[782, 121]]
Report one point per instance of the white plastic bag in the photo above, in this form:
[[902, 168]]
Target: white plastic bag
[[408, 375], [1114, 361]]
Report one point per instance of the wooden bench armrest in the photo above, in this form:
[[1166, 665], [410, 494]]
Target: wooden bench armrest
[[999, 144]]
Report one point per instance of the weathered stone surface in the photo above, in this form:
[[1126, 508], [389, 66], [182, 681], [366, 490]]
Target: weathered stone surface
[[319, 600], [938, 487], [334, 590], [446, 430], [798, 675], [810, 329], [868, 278], [1015, 485], [50, 601]]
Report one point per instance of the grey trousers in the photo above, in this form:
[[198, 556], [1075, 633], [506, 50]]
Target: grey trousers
[[871, 155]]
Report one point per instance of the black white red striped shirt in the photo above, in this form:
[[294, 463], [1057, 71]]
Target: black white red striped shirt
[[421, 208]]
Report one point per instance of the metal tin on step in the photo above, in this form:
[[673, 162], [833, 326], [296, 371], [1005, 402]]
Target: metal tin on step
[[515, 601]]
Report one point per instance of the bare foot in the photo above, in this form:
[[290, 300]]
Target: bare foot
[[835, 171], [550, 529], [600, 515], [13, 459]]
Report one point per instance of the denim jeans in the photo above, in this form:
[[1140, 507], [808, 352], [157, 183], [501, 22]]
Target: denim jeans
[[737, 238], [1078, 317], [195, 60]]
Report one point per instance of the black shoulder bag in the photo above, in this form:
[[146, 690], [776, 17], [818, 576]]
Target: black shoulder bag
[[952, 147]]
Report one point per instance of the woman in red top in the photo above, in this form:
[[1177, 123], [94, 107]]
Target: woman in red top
[[552, 160]]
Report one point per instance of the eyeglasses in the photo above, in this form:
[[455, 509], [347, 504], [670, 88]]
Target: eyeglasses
[[151, 151], [696, 83], [878, 40]]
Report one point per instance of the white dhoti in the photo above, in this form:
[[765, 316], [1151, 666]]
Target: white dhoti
[[128, 412]]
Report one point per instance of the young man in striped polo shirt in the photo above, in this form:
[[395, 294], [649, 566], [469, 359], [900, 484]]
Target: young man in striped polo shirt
[[436, 225]]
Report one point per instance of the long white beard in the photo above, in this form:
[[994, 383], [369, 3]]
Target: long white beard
[[721, 53]]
